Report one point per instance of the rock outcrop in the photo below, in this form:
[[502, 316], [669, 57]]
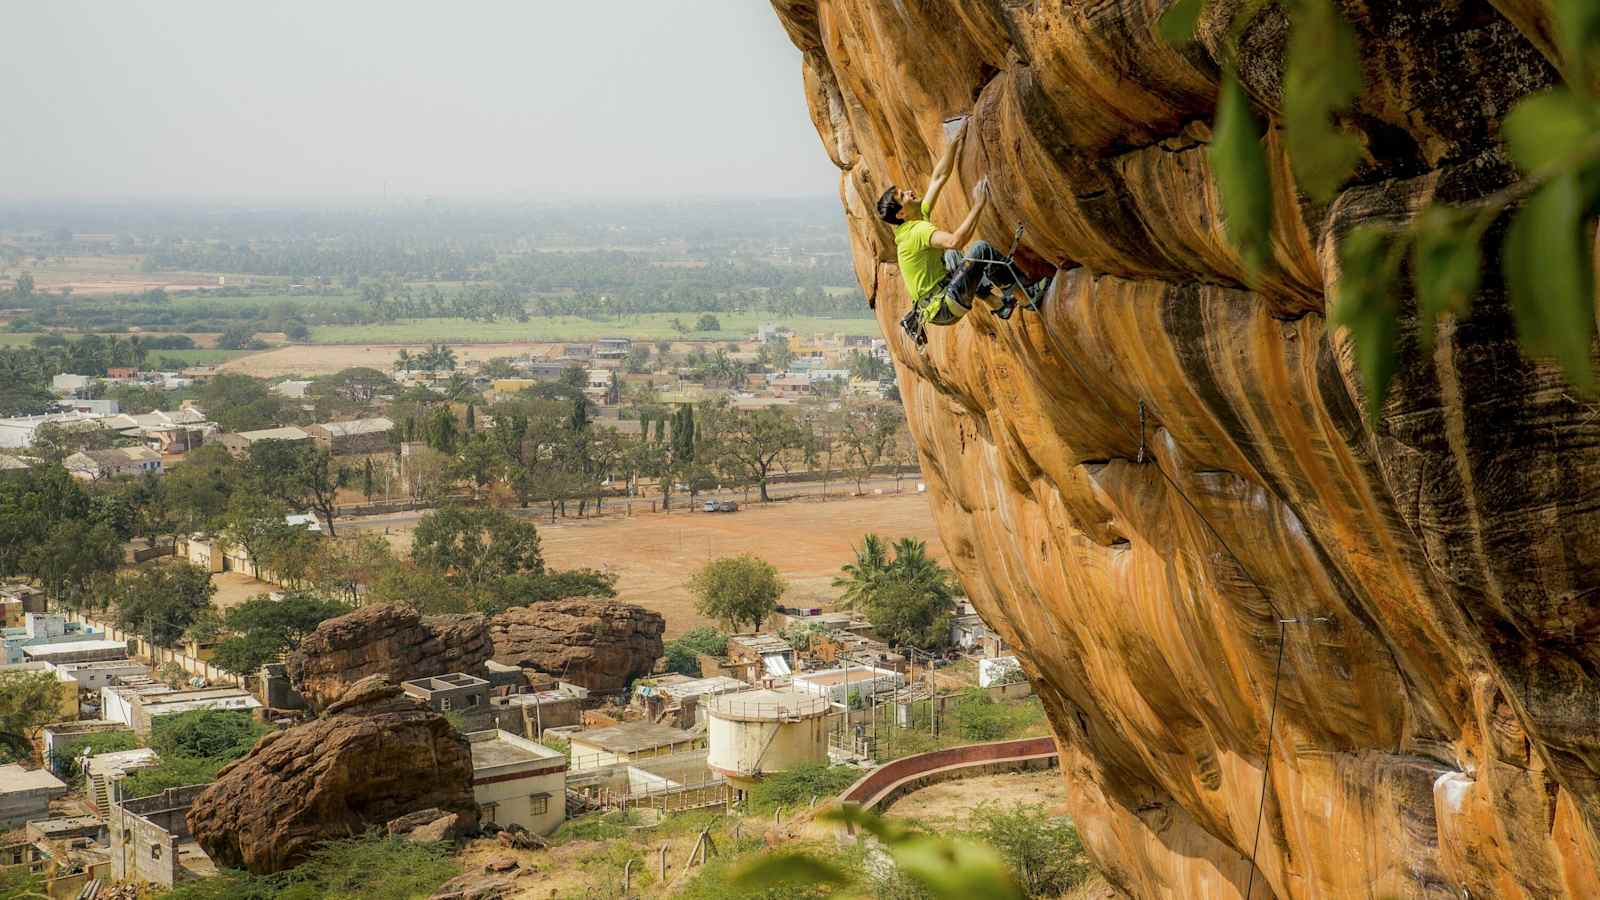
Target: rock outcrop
[[375, 756], [1139, 486], [599, 644], [385, 639]]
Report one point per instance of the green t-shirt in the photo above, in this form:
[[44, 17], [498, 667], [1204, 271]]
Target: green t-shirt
[[921, 263]]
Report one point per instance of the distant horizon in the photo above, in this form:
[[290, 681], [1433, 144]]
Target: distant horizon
[[185, 100]]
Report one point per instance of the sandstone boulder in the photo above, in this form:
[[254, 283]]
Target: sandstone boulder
[[386, 639], [1139, 483], [375, 757], [599, 644]]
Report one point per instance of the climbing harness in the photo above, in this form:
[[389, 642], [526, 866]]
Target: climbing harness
[[1034, 293], [924, 310]]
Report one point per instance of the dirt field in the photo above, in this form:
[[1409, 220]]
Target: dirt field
[[325, 359], [808, 542], [948, 806], [101, 275], [654, 554]]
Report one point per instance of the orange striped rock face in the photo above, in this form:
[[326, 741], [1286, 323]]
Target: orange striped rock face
[[1437, 725]]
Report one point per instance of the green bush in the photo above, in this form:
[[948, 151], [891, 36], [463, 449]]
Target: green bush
[[95, 744], [1044, 851], [799, 785], [683, 654], [979, 718], [364, 868], [224, 734], [171, 772]]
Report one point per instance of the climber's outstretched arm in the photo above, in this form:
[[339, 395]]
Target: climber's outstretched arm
[[947, 165], [955, 240]]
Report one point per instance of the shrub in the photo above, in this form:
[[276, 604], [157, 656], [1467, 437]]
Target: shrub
[[683, 654], [364, 868], [224, 734], [66, 765], [799, 785], [1044, 851], [171, 772]]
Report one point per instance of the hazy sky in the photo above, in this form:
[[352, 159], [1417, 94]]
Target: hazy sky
[[342, 98]]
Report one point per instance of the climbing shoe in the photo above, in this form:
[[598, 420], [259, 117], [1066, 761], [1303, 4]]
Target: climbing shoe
[[1008, 307], [911, 324], [1036, 292]]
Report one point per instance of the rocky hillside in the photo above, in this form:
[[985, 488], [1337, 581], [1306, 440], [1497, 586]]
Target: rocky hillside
[[1141, 484]]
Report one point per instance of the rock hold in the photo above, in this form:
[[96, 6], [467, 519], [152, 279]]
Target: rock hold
[[599, 644], [385, 639]]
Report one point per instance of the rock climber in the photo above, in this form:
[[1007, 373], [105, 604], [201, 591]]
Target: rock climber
[[942, 282]]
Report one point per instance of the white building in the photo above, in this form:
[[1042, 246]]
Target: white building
[[138, 705], [76, 651], [838, 684], [518, 782], [103, 772], [98, 465], [92, 676]]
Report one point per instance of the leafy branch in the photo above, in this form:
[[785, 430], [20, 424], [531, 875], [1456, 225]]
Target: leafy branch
[[1546, 261]]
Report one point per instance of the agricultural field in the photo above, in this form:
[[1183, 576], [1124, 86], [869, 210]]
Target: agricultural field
[[647, 326]]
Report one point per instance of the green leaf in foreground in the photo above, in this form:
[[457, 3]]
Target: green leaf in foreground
[[777, 870], [1445, 264], [955, 870], [1323, 77], [1240, 164], [1177, 24], [1366, 304], [1578, 27], [1549, 273], [1547, 129]]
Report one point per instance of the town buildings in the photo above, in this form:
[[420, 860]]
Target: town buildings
[[120, 462], [518, 782]]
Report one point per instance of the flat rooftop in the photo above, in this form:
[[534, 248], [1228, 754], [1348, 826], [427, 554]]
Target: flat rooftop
[[14, 779], [632, 737], [853, 675], [74, 647], [444, 682], [761, 643], [491, 749], [85, 726]]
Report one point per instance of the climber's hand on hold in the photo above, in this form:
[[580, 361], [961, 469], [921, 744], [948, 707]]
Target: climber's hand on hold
[[980, 193]]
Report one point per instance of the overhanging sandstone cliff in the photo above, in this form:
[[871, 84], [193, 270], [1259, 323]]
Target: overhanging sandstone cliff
[[1439, 732]]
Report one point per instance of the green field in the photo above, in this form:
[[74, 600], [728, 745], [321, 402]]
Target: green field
[[648, 326]]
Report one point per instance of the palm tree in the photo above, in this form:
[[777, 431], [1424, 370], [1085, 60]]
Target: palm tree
[[862, 577], [913, 565], [403, 361]]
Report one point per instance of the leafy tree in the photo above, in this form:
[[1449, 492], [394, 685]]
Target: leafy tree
[[199, 487], [241, 403], [357, 387], [474, 546], [683, 654], [346, 566], [751, 442], [18, 398], [265, 628], [906, 612], [251, 522], [708, 322], [28, 702], [868, 430], [237, 337], [737, 589], [424, 590], [298, 475], [775, 353], [862, 577], [23, 287], [526, 590], [161, 602]]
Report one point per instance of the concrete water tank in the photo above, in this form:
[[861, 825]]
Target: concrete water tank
[[757, 733]]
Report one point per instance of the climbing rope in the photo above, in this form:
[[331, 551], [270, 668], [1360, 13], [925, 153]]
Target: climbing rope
[[1266, 768]]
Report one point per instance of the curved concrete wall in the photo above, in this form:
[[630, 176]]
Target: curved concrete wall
[[885, 784]]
